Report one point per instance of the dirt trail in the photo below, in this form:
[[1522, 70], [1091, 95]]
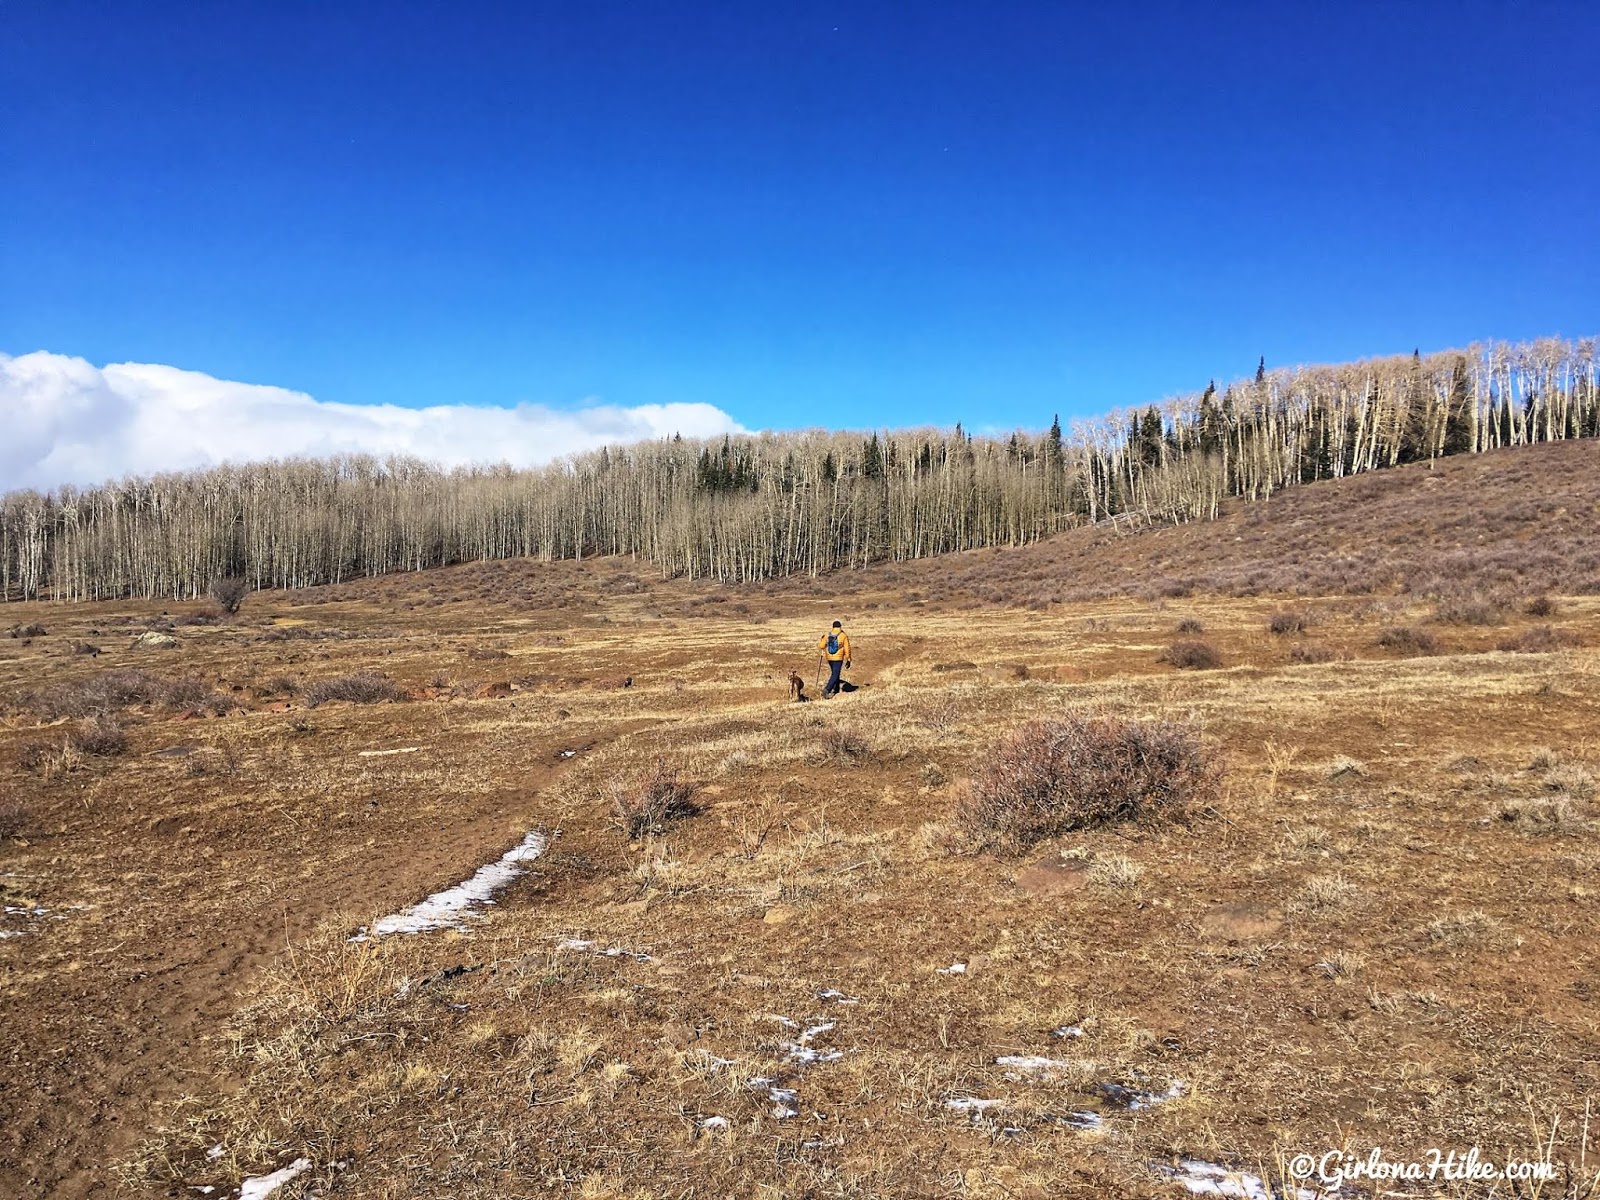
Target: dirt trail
[[126, 1021]]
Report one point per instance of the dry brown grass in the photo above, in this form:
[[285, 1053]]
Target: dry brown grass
[[584, 1031]]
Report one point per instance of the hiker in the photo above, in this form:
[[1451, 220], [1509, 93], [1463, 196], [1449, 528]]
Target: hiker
[[835, 646]]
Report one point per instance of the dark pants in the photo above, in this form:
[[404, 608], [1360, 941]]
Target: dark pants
[[833, 677]]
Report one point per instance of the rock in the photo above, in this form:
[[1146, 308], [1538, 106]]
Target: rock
[[151, 640], [779, 914], [494, 691], [1051, 877]]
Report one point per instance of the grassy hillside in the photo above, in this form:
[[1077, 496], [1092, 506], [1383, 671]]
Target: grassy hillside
[[1380, 931]]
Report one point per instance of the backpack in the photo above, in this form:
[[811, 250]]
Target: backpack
[[833, 642]]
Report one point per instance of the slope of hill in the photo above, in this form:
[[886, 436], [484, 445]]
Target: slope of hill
[[1517, 521]]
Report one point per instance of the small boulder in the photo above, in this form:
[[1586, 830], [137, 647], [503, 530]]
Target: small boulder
[[153, 640], [1051, 877]]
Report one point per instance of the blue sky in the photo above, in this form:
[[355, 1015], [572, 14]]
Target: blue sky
[[799, 214]]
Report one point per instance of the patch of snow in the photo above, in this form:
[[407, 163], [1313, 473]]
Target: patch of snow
[[710, 1061], [215, 1152], [1032, 1062], [785, 1101], [385, 753], [262, 1186], [1068, 1031], [568, 753], [448, 909], [714, 1123], [584, 945], [11, 933], [1203, 1178], [954, 969], [803, 1052], [1080, 1119], [1135, 1099], [973, 1104], [837, 997], [809, 1056], [822, 1143]]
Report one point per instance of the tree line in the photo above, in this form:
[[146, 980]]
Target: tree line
[[753, 507]]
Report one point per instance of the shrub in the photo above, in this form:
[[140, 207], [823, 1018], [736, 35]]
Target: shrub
[[101, 693], [1571, 779], [359, 687], [645, 804], [1190, 625], [189, 692], [1468, 610], [30, 630], [844, 745], [1192, 656], [1049, 777], [1541, 639], [1540, 606], [1286, 622], [14, 818], [1556, 814], [228, 592], [1544, 759], [212, 760], [1310, 652], [1321, 893], [1115, 871], [1407, 639], [101, 737], [1344, 766]]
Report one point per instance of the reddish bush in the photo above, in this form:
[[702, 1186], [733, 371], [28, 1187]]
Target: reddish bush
[[102, 737], [359, 687], [1310, 652], [1287, 622], [14, 818], [1052, 776], [1541, 639], [1407, 639], [1192, 656], [228, 593], [645, 804], [1468, 610]]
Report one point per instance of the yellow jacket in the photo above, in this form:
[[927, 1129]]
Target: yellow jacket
[[842, 654]]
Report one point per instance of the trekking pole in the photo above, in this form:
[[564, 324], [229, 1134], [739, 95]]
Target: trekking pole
[[818, 684]]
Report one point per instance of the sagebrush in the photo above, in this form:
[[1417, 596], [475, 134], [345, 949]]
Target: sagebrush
[[648, 802], [1049, 777]]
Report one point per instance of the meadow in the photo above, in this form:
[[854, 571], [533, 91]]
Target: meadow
[[757, 948]]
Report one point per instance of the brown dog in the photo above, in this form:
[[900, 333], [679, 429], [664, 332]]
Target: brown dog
[[797, 687]]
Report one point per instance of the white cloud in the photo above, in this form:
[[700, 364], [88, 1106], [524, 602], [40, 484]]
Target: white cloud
[[64, 420]]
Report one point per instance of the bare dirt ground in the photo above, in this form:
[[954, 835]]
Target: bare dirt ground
[[1384, 934]]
